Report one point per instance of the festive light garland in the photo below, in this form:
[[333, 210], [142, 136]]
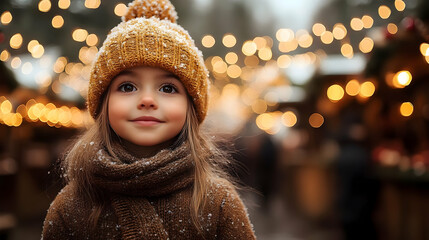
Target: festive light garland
[[256, 51], [34, 111], [290, 41]]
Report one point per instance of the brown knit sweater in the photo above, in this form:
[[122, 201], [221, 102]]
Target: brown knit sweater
[[147, 199]]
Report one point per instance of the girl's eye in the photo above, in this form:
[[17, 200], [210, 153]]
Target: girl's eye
[[127, 87], [169, 88]]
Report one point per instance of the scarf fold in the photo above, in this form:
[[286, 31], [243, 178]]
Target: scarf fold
[[164, 173], [130, 181]]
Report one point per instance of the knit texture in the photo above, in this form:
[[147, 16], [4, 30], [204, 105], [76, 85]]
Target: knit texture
[[161, 174], [146, 198], [149, 36]]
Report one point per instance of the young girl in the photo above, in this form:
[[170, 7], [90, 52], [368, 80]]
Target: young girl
[[144, 170]]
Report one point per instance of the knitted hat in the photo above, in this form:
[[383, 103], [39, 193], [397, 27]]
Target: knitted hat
[[149, 36]]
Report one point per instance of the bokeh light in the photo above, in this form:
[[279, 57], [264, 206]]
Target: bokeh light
[[249, 48], [289, 119], [318, 29], [37, 51], [367, 21], [284, 61], [356, 24], [44, 5], [229, 40], [220, 67], [63, 4], [57, 21], [31, 45], [316, 120], [284, 35], [231, 58], [402, 79], [92, 4], [288, 46], [367, 89], [392, 28], [91, 40], [353, 87], [259, 106], [79, 35], [208, 41], [384, 11], [265, 54], [424, 49], [347, 50], [6, 107], [233, 71], [120, 9], [366, 45], [406, 109], [4, 55], [15, 63], [305, 40], [339, 31], [400, 5], [265, 121], [335, 93], [327, 37], [6, 18], [251, 61], [16, 41]]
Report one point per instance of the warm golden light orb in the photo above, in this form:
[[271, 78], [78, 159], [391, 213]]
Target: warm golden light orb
[[316, 120], [289, 119], [249, 48], [6, 18], [229, 40], [318, 29], [79, 35], [367, 89], [335, 93], [16, 41], [353, 87], [406, 109], [120, 9], [64, 4], [366, 45], [208, 41], [57, 21], [384, 11]]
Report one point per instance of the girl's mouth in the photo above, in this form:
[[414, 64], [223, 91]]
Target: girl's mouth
[[147, 121]]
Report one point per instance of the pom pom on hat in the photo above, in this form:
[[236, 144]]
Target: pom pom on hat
[[162, 9]]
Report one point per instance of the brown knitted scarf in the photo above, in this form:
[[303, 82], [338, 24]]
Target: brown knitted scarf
[[130, 181]]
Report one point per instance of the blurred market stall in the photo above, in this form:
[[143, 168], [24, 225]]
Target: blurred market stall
[[328, 100]]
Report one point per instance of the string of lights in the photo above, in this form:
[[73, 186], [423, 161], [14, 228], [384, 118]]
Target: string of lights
[[257, 54]]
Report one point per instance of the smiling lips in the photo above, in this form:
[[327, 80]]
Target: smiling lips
[[147, 121]]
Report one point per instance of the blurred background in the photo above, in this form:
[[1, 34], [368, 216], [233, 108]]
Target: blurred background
[[327, 103]]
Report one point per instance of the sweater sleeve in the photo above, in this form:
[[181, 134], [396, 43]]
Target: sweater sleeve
[[234, 221], [54, 226]]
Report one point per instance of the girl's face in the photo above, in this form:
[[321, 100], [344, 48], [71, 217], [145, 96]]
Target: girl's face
[[147, 106]]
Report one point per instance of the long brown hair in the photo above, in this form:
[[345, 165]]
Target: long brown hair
[[208, 158]]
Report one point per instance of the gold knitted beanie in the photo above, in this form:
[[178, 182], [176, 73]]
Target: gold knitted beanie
[[149, 36]]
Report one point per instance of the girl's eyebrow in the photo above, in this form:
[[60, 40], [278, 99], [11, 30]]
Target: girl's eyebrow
[[168, 75], [134, 74], [126, 73]]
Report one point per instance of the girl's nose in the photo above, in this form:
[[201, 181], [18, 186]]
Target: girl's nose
[[147, 100]]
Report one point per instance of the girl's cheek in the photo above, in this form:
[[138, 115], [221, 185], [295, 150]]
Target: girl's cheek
[[178, 113], [117, 107], [178, 110]]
